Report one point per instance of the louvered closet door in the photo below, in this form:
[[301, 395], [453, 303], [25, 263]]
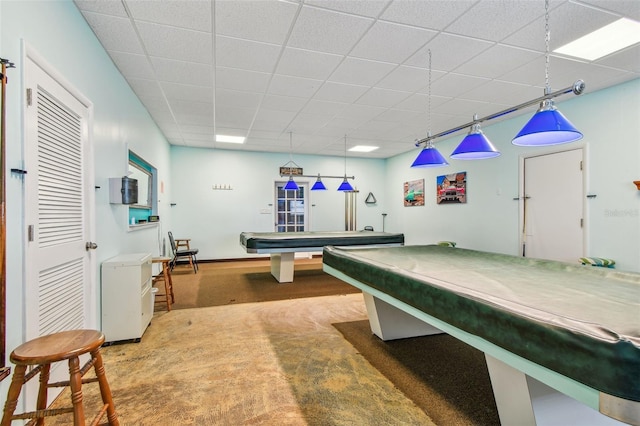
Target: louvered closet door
[[58, 209]]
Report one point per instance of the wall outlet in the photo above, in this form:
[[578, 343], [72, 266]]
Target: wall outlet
[[265, 211]]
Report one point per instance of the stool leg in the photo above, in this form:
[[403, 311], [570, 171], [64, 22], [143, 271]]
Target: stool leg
[[105, 390], [167, 292], [14, 392], [173, 298], [42, 391], [75, 383]]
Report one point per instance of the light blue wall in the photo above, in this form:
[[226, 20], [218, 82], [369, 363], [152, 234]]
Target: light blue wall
[[214, 219], [59, 34], [609, 120]]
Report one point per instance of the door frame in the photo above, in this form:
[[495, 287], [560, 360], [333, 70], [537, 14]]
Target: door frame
[[91, 299], [585, 186]]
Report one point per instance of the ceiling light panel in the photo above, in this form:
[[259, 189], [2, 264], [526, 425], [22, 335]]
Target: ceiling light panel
[[363, 148], [604, 41], [229, 139]]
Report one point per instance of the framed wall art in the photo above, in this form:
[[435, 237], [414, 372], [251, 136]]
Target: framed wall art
[[414, 193], [452, 188]]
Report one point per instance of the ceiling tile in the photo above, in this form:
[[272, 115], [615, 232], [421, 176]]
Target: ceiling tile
[[441, 46], [185, 92], [370, 8], [149, 89], [306, 63], [114, 8], [236, 118], [233, 98], [308, 123], [163, 41], [408, 79], [433, 14], [248, 55], [382, 97], [496, 61], [115, 33], [628, 59], [501, 92], [454, 85], [132, 66], [283, 103], [338, 92], [183, 72], [316, 106], [293, 86], [391, 42], [272, 120], [327, 31], [361, 71], [194, 15], [496, 19], [237, 79], [629, 8], [256, 20]]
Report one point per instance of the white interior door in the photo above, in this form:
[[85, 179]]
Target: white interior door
[[60, 284], [554, 206]]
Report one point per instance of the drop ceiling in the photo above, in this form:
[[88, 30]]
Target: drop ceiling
[[304, 74]]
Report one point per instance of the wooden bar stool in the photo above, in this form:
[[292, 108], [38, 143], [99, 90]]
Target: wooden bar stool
[[41, 353], [164, 276]]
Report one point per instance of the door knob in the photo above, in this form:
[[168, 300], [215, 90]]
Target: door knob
[[91, 246]]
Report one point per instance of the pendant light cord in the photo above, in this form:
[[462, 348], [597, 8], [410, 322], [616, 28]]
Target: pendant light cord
[[547, 39], [345, 156]]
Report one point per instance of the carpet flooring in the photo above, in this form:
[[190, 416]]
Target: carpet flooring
[[248, 281], [238, 348], [270, 363]]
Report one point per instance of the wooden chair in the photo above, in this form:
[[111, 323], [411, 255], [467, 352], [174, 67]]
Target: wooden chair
[[165, 277], [46, 350], [183, 253]]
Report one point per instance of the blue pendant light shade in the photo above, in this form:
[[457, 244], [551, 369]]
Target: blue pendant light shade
[[429, 157], [345, 185], [475, 146], [318, 186], [291, 185], [547, 127]]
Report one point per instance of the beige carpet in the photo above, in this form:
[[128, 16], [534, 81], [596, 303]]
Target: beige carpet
[[269, 363]]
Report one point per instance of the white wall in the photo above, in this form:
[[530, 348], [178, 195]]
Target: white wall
[[214, 219], [59, 34], [490, 219]]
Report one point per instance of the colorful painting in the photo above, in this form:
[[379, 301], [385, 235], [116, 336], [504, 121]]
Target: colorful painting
[[414, 193], [451, 189]]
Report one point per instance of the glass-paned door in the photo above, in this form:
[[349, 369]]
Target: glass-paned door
[[291, 208]]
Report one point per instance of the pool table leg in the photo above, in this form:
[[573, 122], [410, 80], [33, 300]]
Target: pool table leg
[[282, 266], [389, 323], [511, 391]]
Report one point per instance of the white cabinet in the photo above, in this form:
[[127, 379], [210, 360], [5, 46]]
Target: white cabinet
[[126, 296]]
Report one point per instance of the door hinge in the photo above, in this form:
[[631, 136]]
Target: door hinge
[[580, 165], [581, 223], [30, 233], [29, 97]]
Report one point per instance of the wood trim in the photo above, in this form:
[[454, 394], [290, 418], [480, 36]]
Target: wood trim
[[4, 371]]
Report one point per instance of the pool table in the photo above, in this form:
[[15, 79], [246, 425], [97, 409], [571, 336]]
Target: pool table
[[574, 328], [282, 246]]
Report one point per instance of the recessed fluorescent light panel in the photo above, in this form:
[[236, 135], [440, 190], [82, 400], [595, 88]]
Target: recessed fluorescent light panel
[[363, 148], [604, 41], [229, 139]]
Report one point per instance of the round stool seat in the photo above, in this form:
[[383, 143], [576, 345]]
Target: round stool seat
[[38, 355], [57, 347]]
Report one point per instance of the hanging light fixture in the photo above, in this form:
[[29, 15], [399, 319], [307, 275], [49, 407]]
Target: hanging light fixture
[[429, 156], [345, 185], [548, 126], [318, 186], [475, 145], [291, 185]]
